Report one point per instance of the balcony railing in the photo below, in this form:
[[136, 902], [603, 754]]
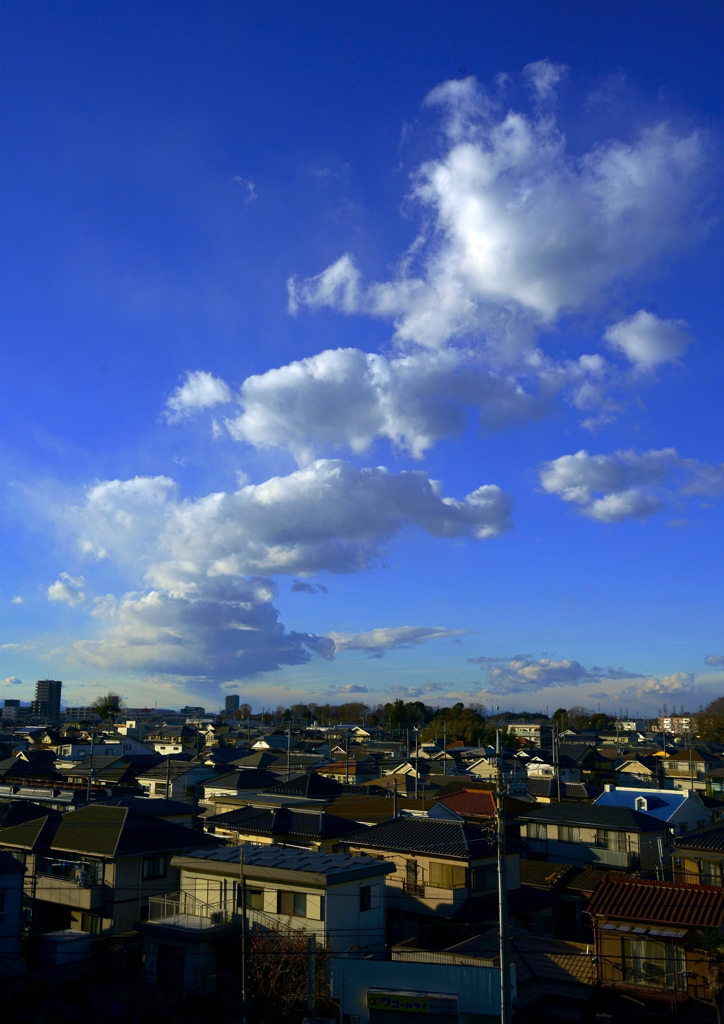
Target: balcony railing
[[83, 874], [413, 888], [182, 910]]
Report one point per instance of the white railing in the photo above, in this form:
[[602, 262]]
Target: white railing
[[186, 911]]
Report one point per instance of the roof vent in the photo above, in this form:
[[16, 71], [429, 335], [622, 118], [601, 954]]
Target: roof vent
[[641, 803]]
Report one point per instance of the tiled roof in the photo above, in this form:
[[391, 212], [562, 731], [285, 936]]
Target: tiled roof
[[16, 812], [538, 786], [592, 815], [711, 838], [458, 839], [477, 802], [637, 899], [542, 874], [284, 821], [104, 831], [242, 778], [155, 806], [588, 879], [311, 785], [287, 858]]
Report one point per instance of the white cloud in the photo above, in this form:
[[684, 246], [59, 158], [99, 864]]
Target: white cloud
[[518, 230], [647, 341], [200, 390], [524, 674], [12, 681], [349, 398], [251, 193], [376, 642], [544, 76], [349, 688], [300, 587], [66, 589], [715, 660], [226, 629], [17, 600], [629, 483], [207, 608], [672, 685]]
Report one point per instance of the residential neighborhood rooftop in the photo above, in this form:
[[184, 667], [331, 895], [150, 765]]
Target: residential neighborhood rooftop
[[675, 903], [457, 839]]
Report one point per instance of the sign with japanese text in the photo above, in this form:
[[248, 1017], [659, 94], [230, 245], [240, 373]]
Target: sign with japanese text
[[412, 1002]]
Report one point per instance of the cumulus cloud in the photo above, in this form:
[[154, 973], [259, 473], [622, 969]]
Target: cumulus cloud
[[674, 684], [544, 76], [647, 341], [299, 587], [627, 484], [715, 660], [67, 589], [517, 229], [329, 516], [349, 688], [200, 390], [12, 681], [525, 674], [206, 609], [377, 642], [349, 398], [225, 629], [17, 600]]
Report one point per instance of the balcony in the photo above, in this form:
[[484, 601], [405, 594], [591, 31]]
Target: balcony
[[184, 911], [74, 883], [414, 888], [618, 853]]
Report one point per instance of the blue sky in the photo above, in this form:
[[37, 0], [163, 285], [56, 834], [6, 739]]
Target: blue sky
[[363, 350]]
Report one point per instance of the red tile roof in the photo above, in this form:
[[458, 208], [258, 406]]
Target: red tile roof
[[637, 899], [478, 802]]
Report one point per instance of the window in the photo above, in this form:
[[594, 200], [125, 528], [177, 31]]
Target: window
[[653, 964], [682, 827], [154, 867], [536, 831], [447, 876], [485, 879], [292, 904], [365, 897], [160, 789], [569, 834], [90, 923], [254, 899]]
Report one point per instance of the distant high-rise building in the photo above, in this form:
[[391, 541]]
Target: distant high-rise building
[[232, 704], [11, 709], [47, 698]]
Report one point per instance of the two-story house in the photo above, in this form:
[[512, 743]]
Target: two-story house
[[699, 857], [176, 779], [94, 869], [316, 830], [647, 938], [582, 834], [334, 899], [688, 769], [442, 868]]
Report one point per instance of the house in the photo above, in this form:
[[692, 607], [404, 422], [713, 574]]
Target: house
[[351, 773], [537, 734], [174, 739], [336, 899], [94, 869], [688, 769], [441, 867], [11, 907], [646, 934], [546, 790], [173, 811], [699, 857], [582, 834], [316, 830], [643, 769], [277, 741], [682, 809], [176, 779], [235, 788]]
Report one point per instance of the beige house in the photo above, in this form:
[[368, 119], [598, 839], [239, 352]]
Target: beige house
[[438, 865]]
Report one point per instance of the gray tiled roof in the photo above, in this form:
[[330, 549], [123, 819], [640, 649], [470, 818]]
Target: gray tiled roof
[[283, 821], [427, 835], [711, 838], [594, 815], [287, 858]]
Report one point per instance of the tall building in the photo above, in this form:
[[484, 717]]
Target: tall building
[[232, 704], [11, 709], [47, 698]]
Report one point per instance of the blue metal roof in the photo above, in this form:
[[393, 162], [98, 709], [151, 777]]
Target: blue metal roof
[[659, 803]]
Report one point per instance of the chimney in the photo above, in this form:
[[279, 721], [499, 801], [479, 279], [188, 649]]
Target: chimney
[[609, 787]]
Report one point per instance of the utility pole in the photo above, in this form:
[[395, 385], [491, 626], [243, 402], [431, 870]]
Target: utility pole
[[289, 750], [557, 761], [444, 747], [346, 758], [242, 886], [394, 806], [90, 767], [312, 975], [417, 761], [505, 1004], [168, 777]]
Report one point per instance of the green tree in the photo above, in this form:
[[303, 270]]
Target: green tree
[[109, 707]]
